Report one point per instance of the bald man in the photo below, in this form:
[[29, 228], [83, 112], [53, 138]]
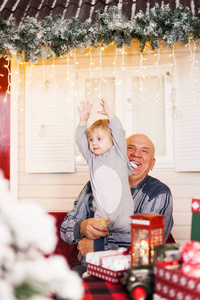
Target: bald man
[[149, 195]]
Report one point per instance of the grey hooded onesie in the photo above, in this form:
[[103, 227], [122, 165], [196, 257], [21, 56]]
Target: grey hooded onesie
[[109, 178]]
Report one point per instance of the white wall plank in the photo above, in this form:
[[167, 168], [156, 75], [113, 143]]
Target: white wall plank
[[170, 177], [182, 218], [53, 204], [185, 191], [54, 179], [182, 232], [49, 191], [182, 204]]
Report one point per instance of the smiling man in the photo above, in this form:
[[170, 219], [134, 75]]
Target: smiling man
[[149, 195], [141, 151]]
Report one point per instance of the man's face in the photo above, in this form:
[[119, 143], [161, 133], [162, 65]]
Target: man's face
[[140, 150]]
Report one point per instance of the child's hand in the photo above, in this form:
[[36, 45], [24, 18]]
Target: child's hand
[[84, 111], [105, 111]]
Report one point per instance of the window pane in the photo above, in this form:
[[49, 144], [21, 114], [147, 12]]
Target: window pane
[[149, 107], [97, 89], [94, 90]]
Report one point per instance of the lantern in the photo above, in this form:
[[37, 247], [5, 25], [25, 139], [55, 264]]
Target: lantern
[[146, 232]]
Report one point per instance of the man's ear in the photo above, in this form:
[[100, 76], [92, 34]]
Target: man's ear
[[153, 164]]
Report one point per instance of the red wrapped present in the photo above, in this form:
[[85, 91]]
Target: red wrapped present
[[195, 236], [191, 270], [173, 284], [190, 252], [190, 256], [109, 265], [196, 205]]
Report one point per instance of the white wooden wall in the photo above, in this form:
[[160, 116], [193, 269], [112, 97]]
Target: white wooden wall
[[56, 192], [184, 187]]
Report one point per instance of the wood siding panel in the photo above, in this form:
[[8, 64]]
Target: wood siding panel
[[49, 191], [53, 204], [185, 191], [47, 179], [181, 204], [182, 218], [181, 233], [171, 177]]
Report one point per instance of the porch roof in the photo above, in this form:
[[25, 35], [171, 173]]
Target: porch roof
[[83, 9]]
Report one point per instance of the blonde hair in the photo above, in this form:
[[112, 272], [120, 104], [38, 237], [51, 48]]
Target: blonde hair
[[102, 124]]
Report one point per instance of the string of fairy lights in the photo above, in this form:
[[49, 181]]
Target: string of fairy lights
[[8, 90], [194, 67], [141, 66]]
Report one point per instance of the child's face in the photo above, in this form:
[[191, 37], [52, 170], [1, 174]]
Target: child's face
[[100, 142]]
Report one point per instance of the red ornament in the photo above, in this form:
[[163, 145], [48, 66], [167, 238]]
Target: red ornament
[[139, 293]]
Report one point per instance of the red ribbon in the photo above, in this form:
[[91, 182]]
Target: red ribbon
[[128, 251]]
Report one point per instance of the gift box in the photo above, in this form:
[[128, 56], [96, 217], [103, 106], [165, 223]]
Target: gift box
[[166, 252], [109, 265], [173, 284], [195, 236]]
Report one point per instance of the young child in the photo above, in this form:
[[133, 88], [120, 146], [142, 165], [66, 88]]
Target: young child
[[103, 146]]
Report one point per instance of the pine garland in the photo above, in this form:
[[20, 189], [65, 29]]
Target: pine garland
[[33, 40]]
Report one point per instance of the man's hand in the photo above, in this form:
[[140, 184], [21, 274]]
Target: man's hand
[[91, 229], [85, 245]]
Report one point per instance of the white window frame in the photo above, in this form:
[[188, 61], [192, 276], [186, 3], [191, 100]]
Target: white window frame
[[123, 105], [162, 162]]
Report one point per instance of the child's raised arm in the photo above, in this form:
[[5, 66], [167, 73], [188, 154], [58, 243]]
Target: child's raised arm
[[84, 112], [106, 110]]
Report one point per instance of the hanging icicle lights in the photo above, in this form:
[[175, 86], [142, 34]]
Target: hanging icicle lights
[[117, 63], [7, 66]]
